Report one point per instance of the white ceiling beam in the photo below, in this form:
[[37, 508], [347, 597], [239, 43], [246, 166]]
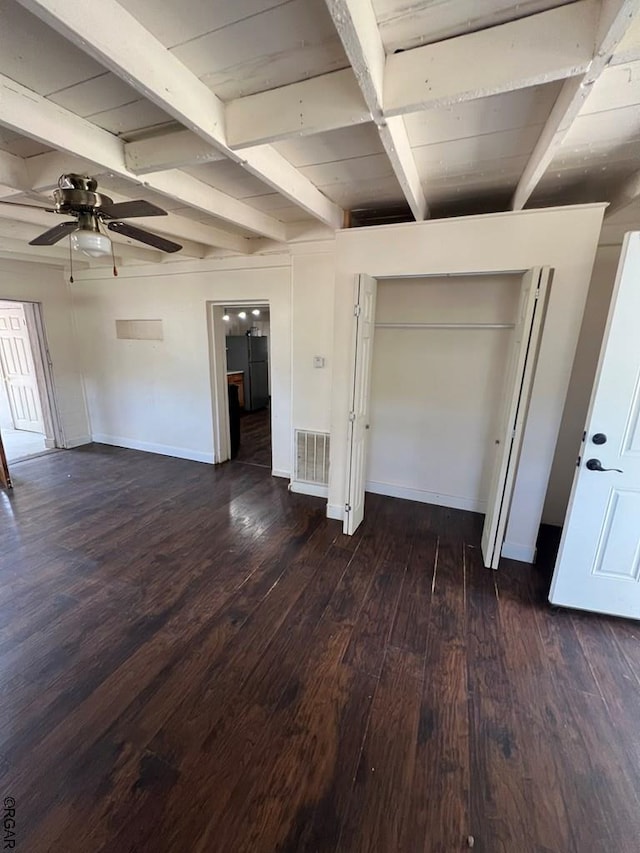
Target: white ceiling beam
[[328, 102], [626, 195], [169, 151], [541, 48], [538, 49], [110, 34], [333, 101], [45, 169], [34, 116], [615, 18], [357, 27]]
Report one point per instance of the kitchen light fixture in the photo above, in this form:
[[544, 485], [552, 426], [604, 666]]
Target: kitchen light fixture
[[242, 315], [226, 318], [256, 312], [91, 243]]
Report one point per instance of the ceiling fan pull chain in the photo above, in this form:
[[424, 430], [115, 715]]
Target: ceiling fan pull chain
[[113, 255], [70, 262]]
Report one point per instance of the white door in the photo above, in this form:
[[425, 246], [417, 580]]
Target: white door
[[16, 361], [517, 393], [365, 312], [598, 565]]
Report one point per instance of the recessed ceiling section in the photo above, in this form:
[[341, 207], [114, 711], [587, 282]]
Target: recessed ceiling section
[[405, 24], [523, 108], [34, 55], [240, 47], [629, 48], [129, 119], [365, 193], [19, 145], [198, 216], [580, 184], [113, 105], [229, 178], [190, 20], [332, 146]]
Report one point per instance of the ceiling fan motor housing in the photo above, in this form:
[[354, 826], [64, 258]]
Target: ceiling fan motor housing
[[77, 194]]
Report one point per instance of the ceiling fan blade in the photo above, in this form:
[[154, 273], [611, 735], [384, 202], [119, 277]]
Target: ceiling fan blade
[[54, 235], [31, 206], [144, 236], [129, 209]]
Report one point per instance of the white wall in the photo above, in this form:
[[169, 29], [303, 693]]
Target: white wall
[[313, 289], [156, 395], [563, 238], [161, 399], [436, 394], [27, 282], [582, 379]]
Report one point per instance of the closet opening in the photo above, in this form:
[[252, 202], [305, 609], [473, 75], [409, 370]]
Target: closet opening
[[443, 370]]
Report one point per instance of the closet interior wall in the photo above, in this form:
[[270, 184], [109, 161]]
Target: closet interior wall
[[439, 360]]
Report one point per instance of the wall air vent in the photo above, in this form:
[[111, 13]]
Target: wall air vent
[[312, 457]]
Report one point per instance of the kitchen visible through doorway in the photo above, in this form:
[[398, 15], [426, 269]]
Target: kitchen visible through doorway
[[247, 345]]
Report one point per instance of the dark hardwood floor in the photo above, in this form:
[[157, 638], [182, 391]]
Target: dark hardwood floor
[[193, 659], [255, 438]]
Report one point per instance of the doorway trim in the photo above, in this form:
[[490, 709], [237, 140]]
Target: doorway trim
[[54, 437], [218, 373]]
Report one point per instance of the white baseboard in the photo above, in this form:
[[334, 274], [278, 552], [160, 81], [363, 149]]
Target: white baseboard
[[70, 443], [309, 489], [523, 553], [277, 472], [409, 494], [335, 511], [150, 447]]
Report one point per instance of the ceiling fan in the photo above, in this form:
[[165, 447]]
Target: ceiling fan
[[77, 196]]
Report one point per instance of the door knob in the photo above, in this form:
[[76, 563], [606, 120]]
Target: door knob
[[596, 465]]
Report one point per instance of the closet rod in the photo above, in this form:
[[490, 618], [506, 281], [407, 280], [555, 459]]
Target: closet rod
[[445, 326]]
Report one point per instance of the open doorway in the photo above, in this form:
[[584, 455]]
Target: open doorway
[[247, 347], [26, 413]]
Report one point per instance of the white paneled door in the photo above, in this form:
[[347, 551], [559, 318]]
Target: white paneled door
[[365, 313], [18, 371], [598, 565]]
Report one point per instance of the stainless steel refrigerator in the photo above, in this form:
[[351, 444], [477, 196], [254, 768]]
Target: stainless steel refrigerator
[[250, 355]]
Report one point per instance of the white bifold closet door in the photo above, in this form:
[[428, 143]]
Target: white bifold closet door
[[517, 393], [365, 313]]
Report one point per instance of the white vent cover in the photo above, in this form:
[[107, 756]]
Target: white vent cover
[[312, 457]]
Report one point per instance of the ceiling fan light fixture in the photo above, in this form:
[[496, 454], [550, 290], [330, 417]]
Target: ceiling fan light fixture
[[91, 243]]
